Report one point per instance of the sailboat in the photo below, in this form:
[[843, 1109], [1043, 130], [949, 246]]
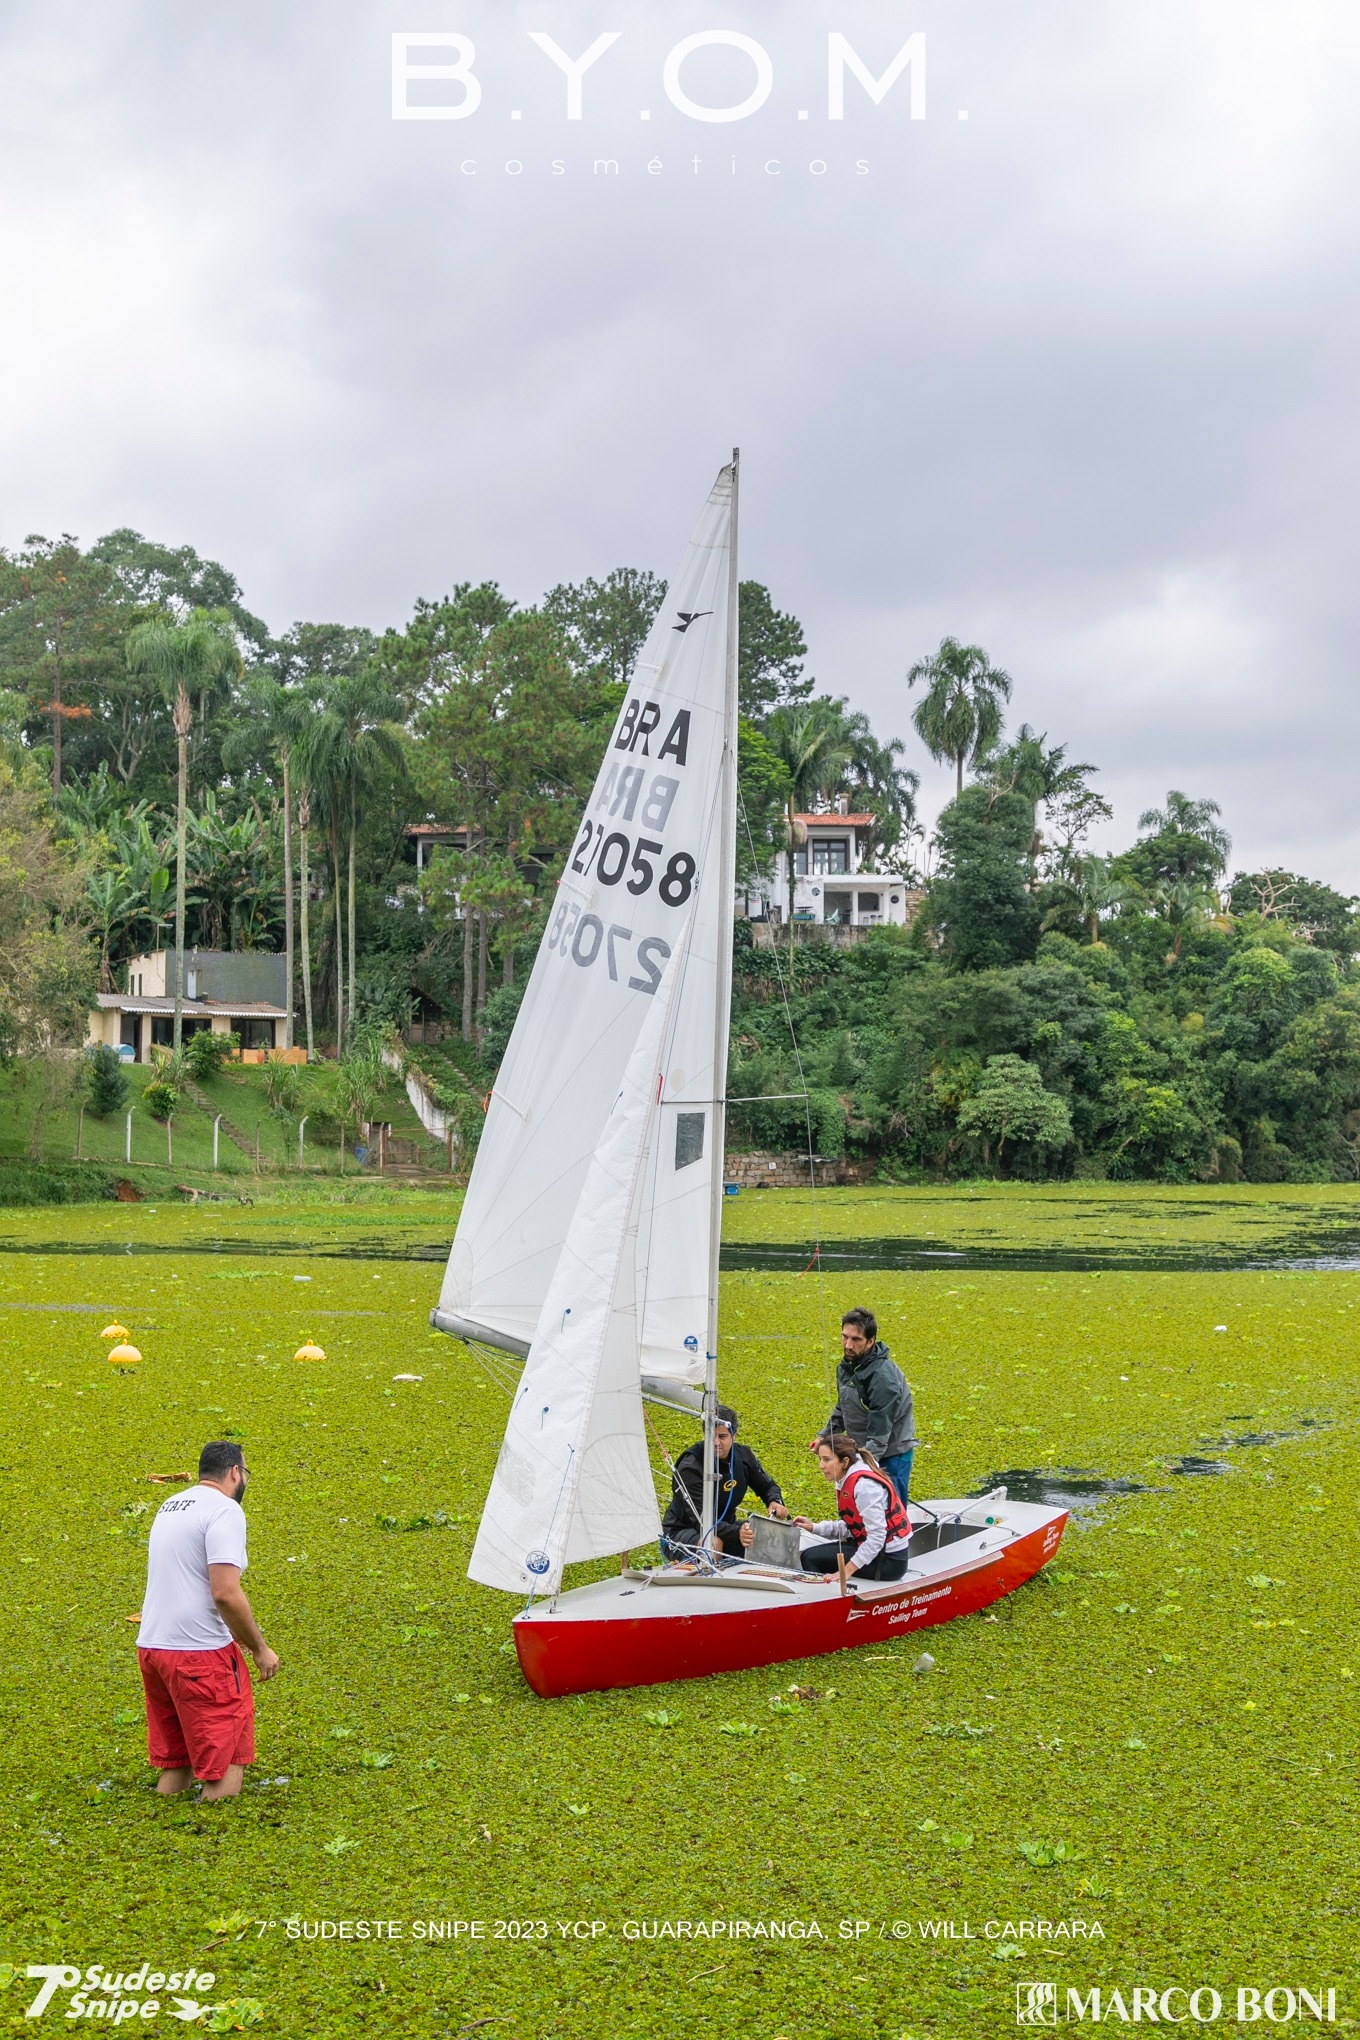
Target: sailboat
[[588, 1242]]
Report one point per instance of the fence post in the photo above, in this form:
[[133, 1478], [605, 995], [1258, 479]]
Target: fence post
[[216, 1126], [129, 1138], [301, 1123]]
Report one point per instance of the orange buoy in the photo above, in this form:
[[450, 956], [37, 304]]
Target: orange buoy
[[309, 1352], [124, 1356], [115, 1332]]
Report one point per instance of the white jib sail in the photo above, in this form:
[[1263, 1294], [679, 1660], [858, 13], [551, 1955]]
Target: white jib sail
[[646, 856], [573, 1479]]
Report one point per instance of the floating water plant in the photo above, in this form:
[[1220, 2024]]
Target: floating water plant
[[1181, 1849]]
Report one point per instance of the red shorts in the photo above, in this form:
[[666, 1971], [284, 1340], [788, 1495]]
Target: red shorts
[[200, 1709]]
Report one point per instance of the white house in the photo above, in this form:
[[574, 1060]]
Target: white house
[[834, 879], [230, 991]]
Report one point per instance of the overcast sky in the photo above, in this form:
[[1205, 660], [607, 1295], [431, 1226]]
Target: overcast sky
[[1072, 377]]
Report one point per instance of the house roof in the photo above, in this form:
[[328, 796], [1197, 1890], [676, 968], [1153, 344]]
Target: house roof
[[197, 1009], [837, 821], [435, 829]]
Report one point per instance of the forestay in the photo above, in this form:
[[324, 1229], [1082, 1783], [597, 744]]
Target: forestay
[[573, 1480], [645, 863]]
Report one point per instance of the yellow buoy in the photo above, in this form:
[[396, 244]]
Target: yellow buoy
[[309, 1352], [124, 1356], [115, 1332]]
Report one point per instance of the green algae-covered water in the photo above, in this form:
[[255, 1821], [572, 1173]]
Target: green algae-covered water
[[1138, 1774]]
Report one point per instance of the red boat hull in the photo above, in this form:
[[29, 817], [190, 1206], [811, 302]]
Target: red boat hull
[[566, 1655]]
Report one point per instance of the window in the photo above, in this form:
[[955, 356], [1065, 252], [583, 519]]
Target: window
[[870, 902], [832, 856], [689, 1138], [257, 1033], [800, 863], [838, 907]]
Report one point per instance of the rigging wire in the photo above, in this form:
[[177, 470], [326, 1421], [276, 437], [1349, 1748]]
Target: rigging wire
[[828, 1374], [496, 1365]]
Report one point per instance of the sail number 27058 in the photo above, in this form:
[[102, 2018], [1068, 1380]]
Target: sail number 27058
[[585, 938]]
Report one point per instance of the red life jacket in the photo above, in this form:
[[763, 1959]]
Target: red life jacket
[[899, 1522]]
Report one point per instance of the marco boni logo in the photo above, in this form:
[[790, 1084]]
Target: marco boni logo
[[1042, 2004]]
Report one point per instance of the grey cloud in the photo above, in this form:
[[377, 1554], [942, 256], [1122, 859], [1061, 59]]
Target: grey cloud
[[1071, 377]]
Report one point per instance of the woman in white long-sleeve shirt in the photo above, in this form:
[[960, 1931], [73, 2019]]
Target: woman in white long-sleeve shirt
[[871, 1528]]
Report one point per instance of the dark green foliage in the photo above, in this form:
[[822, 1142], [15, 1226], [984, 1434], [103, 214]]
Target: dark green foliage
[[33, 1183], [206, 1054], [771, 651], [607, 621], [160, 1099], [1316, 912], [383, 990], [107, 1087], [502, 1008], [979, 905], [1239, 1060]]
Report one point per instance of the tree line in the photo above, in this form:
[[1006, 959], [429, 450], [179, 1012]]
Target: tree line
[[174, 775]]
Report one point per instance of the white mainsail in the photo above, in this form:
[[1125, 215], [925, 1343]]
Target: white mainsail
[[652, 856], [573, 1479]]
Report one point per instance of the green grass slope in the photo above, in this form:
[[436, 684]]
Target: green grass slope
[[186, 1153]]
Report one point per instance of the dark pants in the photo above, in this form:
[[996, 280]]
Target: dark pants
[[889, 1565], [898, 1469], [682, 1543]]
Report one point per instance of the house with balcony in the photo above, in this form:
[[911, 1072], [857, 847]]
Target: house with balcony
[[835, 885], [241, 992]]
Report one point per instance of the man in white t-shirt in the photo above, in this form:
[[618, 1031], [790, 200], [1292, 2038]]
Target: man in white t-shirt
[[196, 1620]]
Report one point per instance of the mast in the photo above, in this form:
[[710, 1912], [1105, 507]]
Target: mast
[[727, 884]]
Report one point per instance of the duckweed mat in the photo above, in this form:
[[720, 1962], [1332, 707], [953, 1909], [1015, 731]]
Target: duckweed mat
[[1139, 1773]]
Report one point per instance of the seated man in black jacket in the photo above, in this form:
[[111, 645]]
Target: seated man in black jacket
[[738, 1470]]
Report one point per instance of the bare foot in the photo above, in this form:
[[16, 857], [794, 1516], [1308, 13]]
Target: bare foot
[[227, 1786], [178, 1779]]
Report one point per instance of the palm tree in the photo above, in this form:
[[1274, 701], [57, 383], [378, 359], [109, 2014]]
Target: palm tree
[[366, 710], [1029, 766], [815, 748], [881, 781], [304, 932], [284, 714], [184, 659], [322, 794], [114, 901], [1095, 890], [342, 749], [960, 715], [1186, 905], [1185, 817]]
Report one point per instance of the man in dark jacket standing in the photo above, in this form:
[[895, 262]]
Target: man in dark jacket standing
[[739, 1471], [873, 1400]]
